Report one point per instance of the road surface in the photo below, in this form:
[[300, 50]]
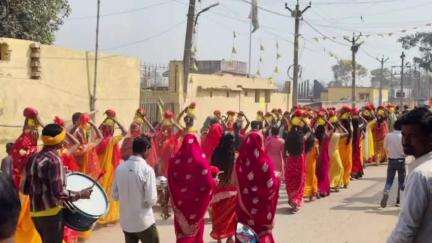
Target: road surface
[[351, 215]]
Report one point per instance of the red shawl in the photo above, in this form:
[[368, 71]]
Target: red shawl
[[258, 187], [211, 141], [27, 142], [191, 186]]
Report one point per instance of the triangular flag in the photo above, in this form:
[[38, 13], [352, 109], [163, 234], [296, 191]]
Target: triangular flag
[[261, 47], [276, 70], [234, 34], [260, 59], [316, 39], [194, 67], [278, 56], [254, 15], [234, 51]]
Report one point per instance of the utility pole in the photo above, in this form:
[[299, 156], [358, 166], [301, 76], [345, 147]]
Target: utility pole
[[188, 44], [382, 61], [402, 77], [355, 45], [93, 96], [297, 14]]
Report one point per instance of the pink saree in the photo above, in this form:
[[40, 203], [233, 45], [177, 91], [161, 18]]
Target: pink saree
[[191, 186], [258, 188]]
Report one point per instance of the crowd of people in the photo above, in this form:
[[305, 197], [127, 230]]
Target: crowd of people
[[231, 168]]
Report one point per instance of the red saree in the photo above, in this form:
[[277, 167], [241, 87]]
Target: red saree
[[223, 209], [191, 186], [211, 141], [27, 143], [357, 157], [258, 188], [295, 179]]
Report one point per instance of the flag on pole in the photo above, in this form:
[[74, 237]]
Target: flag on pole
[[261, 47], [254, 15]]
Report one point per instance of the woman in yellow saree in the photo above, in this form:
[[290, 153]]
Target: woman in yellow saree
[[110, 156]]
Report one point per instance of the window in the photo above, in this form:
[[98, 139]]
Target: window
[[267, 96], [227, 93], [257, 96], [211, 93], [245, 93]]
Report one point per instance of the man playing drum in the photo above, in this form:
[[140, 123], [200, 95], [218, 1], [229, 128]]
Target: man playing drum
[[45, 184]]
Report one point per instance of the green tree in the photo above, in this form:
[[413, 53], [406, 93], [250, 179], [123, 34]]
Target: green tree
[[376, 77], [342, 71], [35, 20], [423, 42]]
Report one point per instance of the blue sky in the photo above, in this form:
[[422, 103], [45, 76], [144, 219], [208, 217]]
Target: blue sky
[[153, 30]]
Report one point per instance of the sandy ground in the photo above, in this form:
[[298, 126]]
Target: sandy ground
[[351, 215]]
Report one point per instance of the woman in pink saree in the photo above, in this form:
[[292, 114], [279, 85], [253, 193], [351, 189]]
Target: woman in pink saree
[[191, 186], [275, 147], [258, 188]]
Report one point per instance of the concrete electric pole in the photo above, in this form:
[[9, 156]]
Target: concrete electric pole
[[188, 44], [381, 61], [93, 96], [355, 45], [402, 77], [297, 14]]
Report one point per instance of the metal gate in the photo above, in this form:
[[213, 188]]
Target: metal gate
[[152, 110]]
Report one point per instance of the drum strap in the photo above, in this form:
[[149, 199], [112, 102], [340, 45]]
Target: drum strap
[[49, 212]]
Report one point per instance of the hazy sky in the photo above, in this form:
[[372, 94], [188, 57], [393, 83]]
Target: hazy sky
[[154, 30]]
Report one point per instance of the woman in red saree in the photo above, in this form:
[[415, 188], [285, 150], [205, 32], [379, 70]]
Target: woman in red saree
[[258, 188], [359, 124], [24, 147], [191, 186], [224, 203], [323, 133], [295, 166], [167, 142], [212, 139]]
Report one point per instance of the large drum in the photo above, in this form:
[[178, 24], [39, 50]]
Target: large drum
[[82, 214]]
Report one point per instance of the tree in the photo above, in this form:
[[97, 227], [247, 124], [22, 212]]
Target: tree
[[423, 42], [376, 77], [342, 71], [35, 20]]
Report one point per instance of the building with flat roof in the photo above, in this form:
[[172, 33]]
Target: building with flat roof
[[215, 90]]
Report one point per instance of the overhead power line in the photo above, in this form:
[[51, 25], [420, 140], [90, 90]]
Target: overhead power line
[[121, 12], [146, 39]]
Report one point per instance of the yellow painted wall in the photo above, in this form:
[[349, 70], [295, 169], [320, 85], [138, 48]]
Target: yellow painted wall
[[64, 85], [335, 94]]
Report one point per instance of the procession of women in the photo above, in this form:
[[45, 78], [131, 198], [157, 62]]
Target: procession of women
[[232, 168]]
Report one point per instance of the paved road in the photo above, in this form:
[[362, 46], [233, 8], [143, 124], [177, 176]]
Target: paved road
[[352, 215]]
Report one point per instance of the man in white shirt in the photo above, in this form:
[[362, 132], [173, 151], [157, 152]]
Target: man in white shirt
[[135, 188], [396, 163], [415, 219]]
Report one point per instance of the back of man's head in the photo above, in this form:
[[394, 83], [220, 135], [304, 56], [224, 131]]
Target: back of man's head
[[9, 147], [10, 207], [141, 144]]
